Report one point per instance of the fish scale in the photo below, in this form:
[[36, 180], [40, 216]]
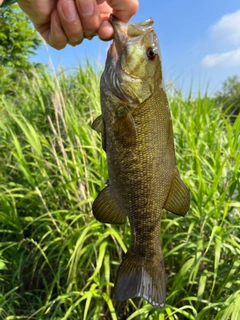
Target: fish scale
[[137, 136]]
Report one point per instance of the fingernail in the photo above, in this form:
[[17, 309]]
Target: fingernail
[[69, 10], [86, 7]]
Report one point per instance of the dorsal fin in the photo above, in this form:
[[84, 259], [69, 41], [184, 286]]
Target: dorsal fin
[[106, 210]]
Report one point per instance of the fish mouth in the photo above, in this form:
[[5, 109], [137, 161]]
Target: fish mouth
[[120, 69], [124, 32], [120, 37]]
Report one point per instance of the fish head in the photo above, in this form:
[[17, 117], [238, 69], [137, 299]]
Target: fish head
[[133, 67]]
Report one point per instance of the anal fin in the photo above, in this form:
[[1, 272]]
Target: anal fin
[[106, 210], [178, 200]]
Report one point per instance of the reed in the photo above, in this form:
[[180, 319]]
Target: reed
[[57, 261]]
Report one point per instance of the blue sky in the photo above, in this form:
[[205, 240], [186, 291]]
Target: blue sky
[[200, 42]]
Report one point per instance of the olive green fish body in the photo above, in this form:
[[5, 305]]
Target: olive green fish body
[[137, 136]]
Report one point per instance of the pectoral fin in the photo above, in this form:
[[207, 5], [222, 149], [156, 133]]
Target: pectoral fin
[[178, 200], [98, 125], [106, 210], [124, 128]]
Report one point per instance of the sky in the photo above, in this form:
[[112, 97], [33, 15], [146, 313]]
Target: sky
[[199, 42]]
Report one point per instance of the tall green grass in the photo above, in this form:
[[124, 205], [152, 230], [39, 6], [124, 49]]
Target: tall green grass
[[57, 261]]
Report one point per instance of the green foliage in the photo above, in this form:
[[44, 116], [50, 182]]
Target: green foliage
[[229, 96], [18, 40], [57, 261]]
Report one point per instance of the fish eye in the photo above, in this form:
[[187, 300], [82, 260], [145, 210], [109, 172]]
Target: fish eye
[[151, 54]]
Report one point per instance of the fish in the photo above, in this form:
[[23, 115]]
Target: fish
[[143, 178]]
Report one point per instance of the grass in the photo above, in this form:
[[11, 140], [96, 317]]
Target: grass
[[57, 261]]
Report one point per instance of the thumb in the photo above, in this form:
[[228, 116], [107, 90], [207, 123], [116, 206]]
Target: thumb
[[123, 9]]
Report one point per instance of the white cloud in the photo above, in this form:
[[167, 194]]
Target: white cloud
[[225, 59], [227, 28]]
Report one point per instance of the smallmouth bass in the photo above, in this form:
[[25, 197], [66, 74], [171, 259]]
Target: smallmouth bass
[[137, 137]]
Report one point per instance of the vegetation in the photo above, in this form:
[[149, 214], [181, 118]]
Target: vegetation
[[229, 96], [18, 40], [57, 261]]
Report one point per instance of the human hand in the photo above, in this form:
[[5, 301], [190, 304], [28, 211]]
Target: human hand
[[67, 21]]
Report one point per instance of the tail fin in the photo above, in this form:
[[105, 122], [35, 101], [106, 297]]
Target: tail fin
[[141, 277]]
